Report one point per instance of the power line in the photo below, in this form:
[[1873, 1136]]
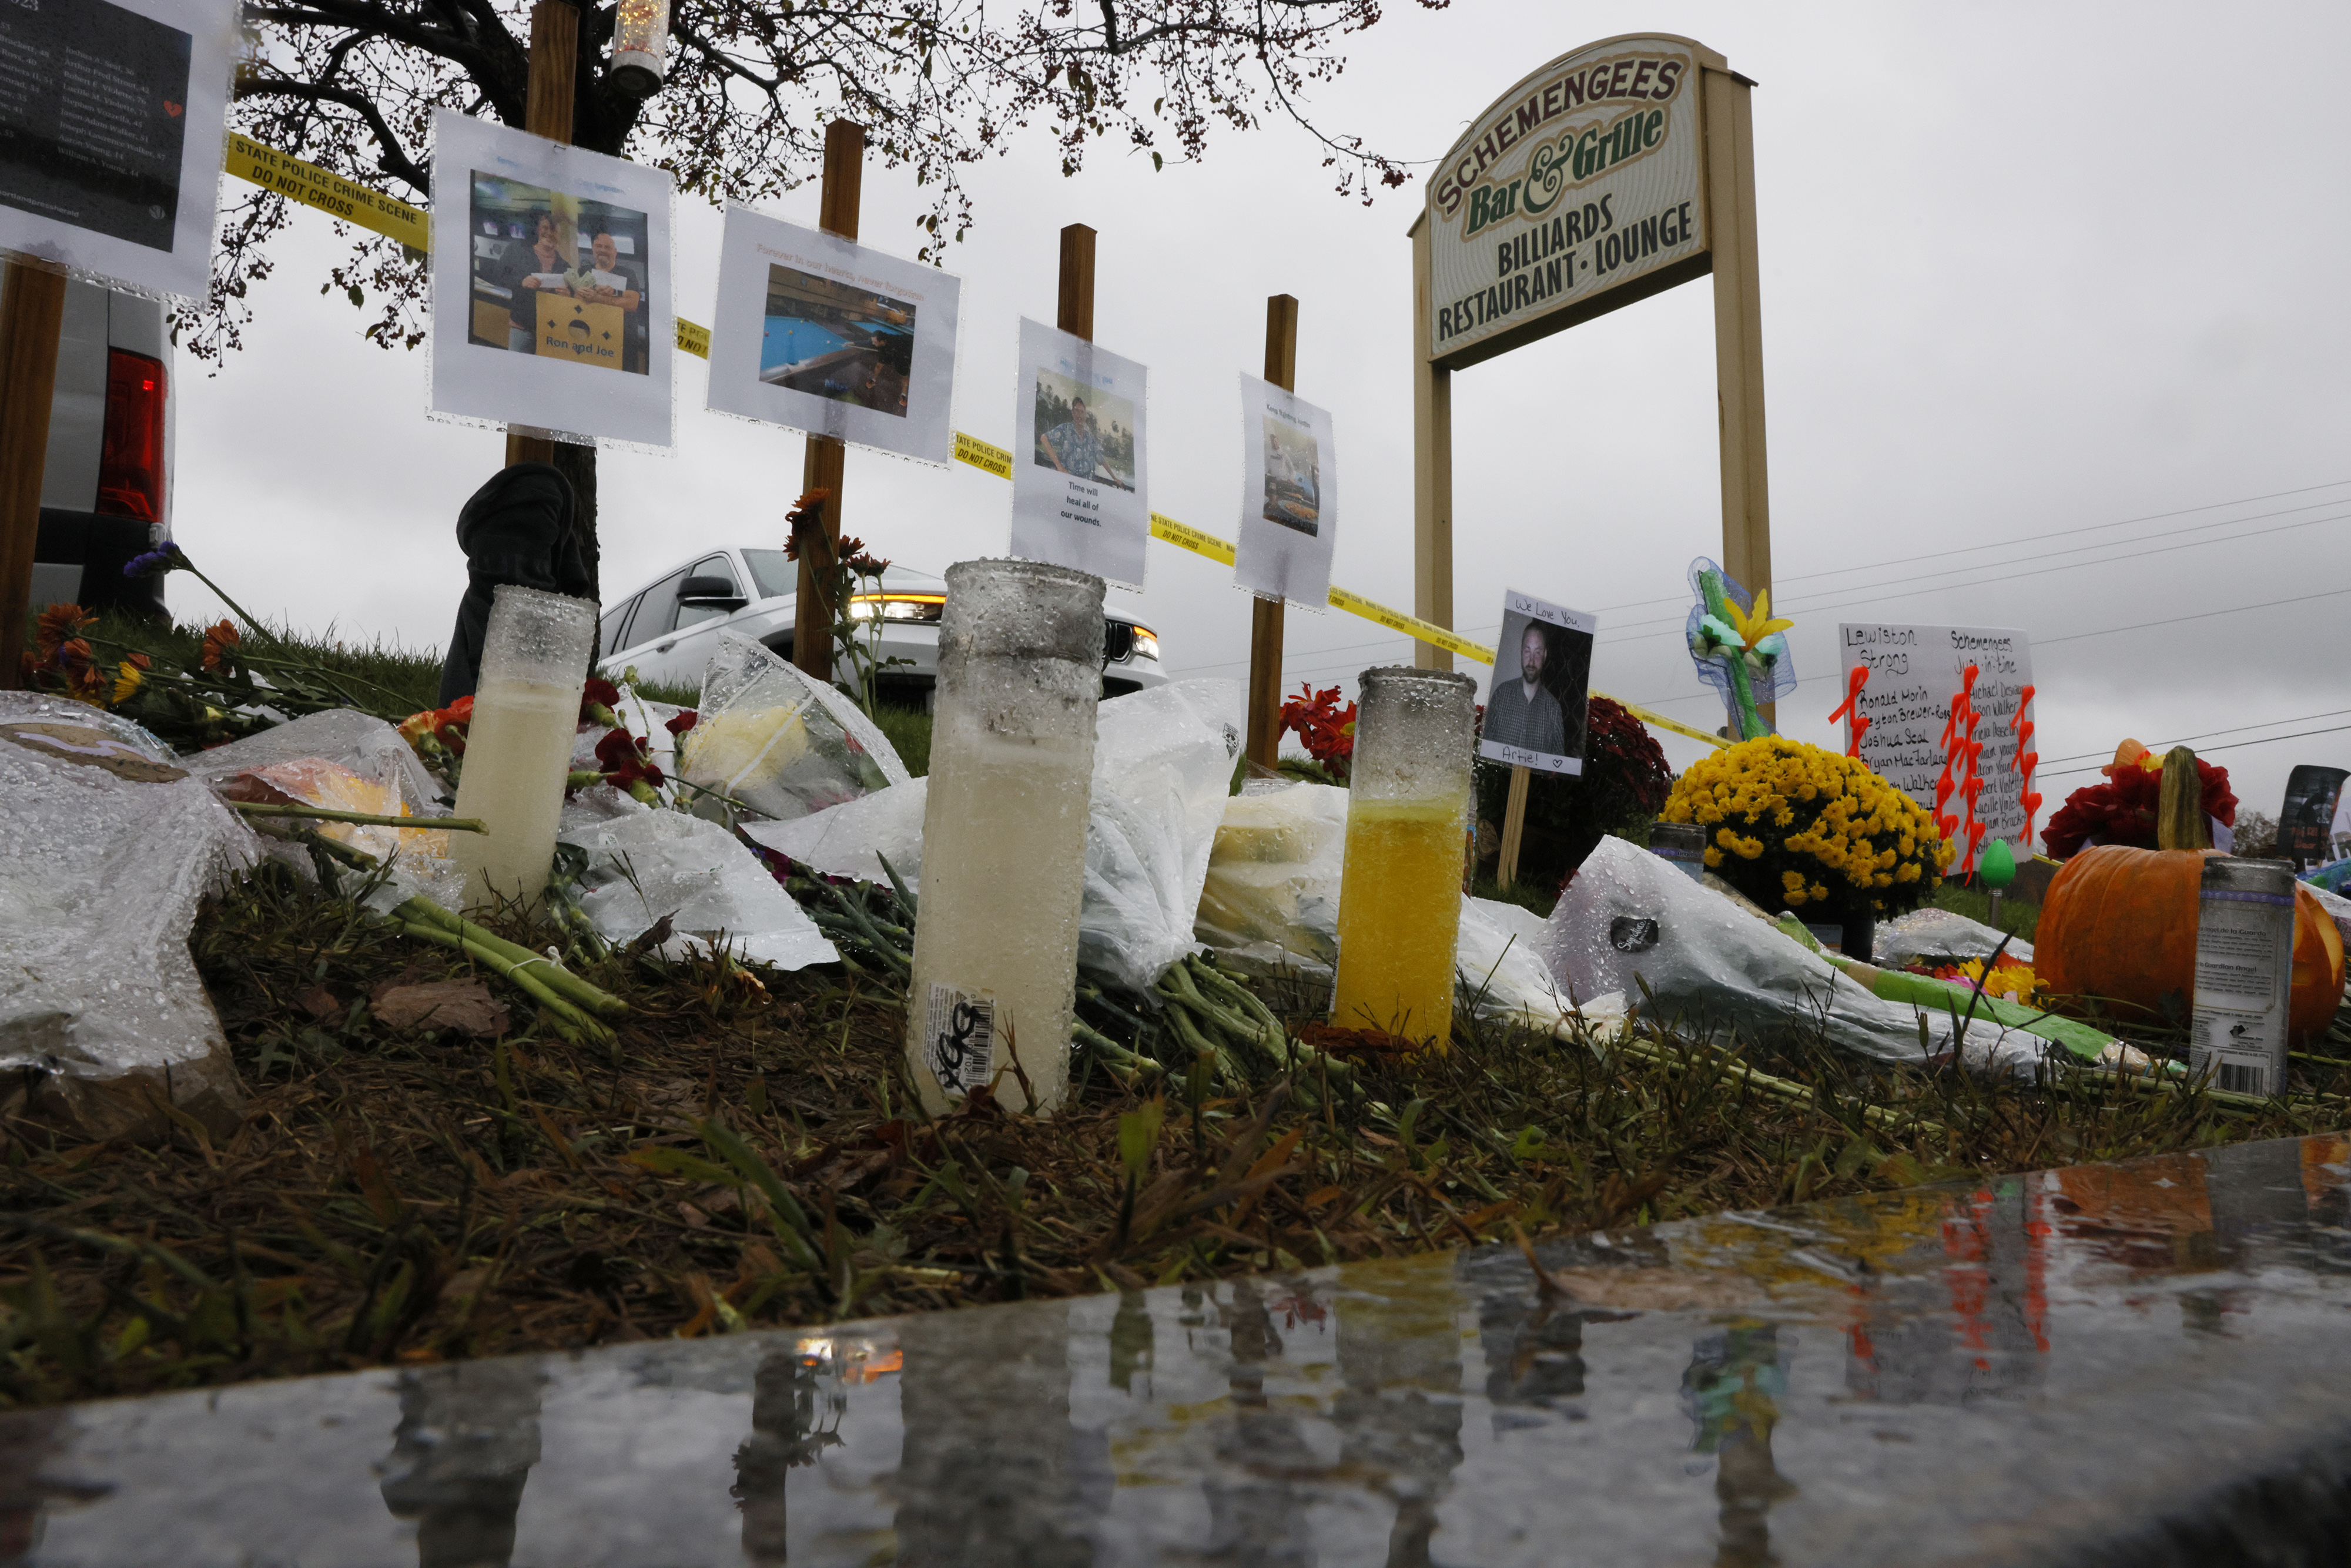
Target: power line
[[2233, 729], [2225, 746], [2200, 615], [1872, 589], [1875, 595]]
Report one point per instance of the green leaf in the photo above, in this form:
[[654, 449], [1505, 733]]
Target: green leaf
[[1138, 1134], [664, 1161], [790, 1221]]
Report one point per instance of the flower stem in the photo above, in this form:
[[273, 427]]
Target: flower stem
[[325, 814]]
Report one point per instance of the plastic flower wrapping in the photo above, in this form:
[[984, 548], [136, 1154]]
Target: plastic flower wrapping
[[1793, 826], [1739, 648]]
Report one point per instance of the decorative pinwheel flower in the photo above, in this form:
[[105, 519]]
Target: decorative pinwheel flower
[[1738, 646]]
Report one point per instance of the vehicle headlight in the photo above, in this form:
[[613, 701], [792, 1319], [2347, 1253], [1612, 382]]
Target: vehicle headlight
[[1146, 643], [916, 607]]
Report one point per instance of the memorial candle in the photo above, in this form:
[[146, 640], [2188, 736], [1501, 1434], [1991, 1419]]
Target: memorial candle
[[1400, 889], [1004, 832]]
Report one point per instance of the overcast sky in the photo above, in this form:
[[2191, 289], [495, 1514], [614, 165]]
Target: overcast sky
[[2054, 337]]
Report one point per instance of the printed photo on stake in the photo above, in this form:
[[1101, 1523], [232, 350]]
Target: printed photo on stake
[[1536, 704], [559, 276], [1079, 485], [817, 333], [1289, 497], [1085, 433], [549, 263], [1293, 476], [836, 340], [110, 126]]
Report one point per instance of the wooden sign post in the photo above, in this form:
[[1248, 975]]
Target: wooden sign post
[[32, 311], [1614, 172], [547, 112], [826, 461], [1266, 614], [1514, 825]]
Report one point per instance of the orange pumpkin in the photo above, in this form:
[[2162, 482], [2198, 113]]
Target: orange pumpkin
[[2119, 923]]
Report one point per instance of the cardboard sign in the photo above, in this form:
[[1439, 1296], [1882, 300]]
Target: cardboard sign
[[1914, 672], [1289, 496], [1537, 701], [818, 333], [1078, 495], [1580, 181], [111, 124], [575, 328], [548, 262]]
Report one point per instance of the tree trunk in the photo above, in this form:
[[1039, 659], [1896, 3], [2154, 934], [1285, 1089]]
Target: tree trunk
[[578, 463]]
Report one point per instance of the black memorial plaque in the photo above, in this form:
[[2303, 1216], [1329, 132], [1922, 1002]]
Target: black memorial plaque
[[93, 117]]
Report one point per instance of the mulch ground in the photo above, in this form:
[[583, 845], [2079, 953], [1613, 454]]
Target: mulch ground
[[401, 1191]]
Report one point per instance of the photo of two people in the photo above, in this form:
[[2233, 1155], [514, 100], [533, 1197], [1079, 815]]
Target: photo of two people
[[832, 339], [1542, 674], [557, 276], [1086, 433]]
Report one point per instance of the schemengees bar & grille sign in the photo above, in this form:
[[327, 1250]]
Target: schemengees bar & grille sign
[[1583, 178]]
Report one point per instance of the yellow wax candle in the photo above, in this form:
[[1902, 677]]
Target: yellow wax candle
[[1399, 917]]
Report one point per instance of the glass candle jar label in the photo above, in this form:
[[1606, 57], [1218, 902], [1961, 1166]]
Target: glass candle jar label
[[959, 1037], [2245, 958]]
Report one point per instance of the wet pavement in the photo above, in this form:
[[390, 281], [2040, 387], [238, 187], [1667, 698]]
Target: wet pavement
[[2143, 1363]]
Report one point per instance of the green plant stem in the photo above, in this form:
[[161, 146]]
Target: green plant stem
[[184, 564], [423, 911], [365, 819], [575, 1025]]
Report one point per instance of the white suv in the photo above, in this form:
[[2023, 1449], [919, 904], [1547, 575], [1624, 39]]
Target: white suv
[[105, 490], [667, 632]]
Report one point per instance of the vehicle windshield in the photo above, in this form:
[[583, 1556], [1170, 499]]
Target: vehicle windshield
[[776, 574]]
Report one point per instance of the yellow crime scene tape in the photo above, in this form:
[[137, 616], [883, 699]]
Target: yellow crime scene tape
[[315, 187], [330, 193], [992, 459]]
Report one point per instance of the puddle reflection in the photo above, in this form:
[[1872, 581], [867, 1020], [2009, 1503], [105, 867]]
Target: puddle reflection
[[462, 1452], [1410, 1413]]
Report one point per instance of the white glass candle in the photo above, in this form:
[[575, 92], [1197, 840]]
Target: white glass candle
[[1004, 832], [518, 748]]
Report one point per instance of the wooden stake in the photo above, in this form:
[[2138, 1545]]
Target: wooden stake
[[825, 463], [1738, 332], [547, 112], [1514, 825], [1432, 467], [1075, 311], [1266, 614], [32, 309]]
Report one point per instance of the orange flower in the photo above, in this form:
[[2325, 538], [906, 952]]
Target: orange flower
[[59, 623], [220, 644]]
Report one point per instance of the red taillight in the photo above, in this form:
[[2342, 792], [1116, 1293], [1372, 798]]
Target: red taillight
[[131, 461]]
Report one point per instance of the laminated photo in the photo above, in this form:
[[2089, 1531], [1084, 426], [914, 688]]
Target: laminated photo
[[111, 118], [1078, 496], [1289, 496], [817, 333], [550, 286], [1536, 704]]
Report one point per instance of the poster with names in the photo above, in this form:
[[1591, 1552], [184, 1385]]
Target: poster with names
[[110, 125], [1078, 495], [1914, 672]]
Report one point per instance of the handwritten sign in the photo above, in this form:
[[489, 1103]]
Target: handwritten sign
[[1914, 672]]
